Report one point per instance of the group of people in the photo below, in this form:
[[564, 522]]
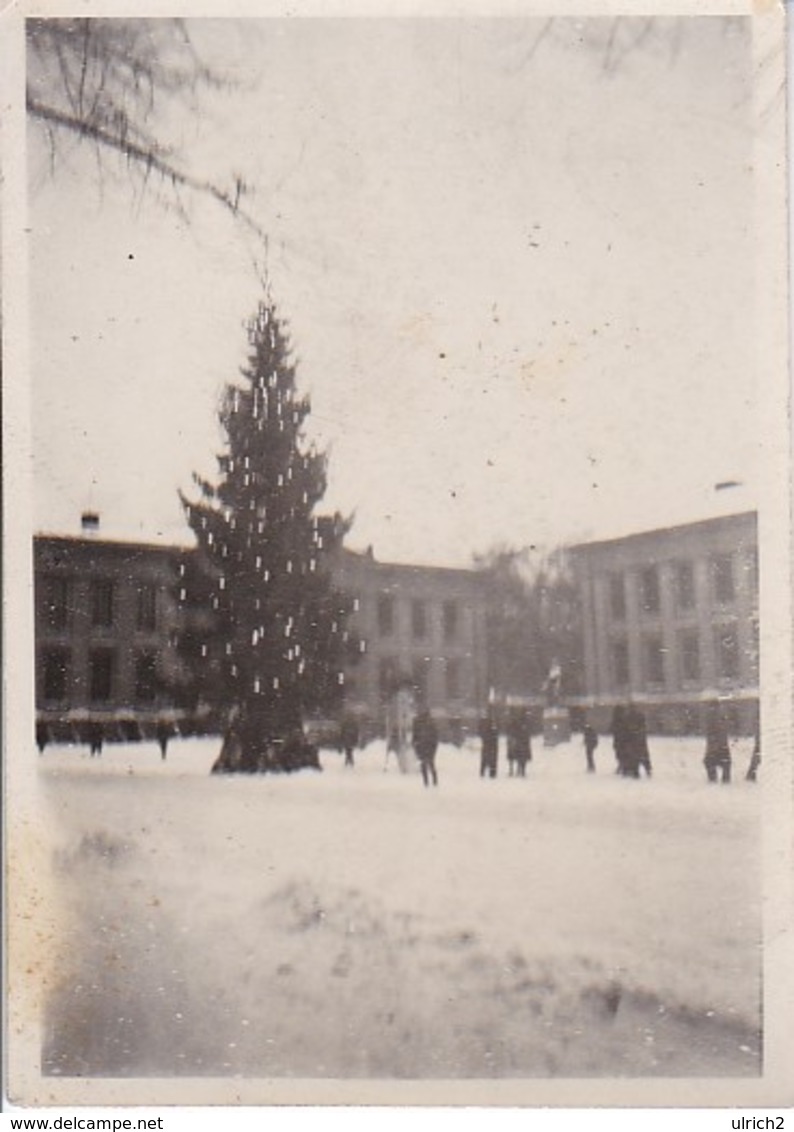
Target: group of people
[[95, 735], [629, 741], [519, 744], [629, 736]]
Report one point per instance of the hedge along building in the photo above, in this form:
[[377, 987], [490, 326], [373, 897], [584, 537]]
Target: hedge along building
[[110, 616], [670, 620]]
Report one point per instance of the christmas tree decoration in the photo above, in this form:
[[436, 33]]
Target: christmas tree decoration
[[277, 649]]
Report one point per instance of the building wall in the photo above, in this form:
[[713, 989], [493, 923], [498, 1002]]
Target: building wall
[[424, 625], [105, 618], [671, 620]]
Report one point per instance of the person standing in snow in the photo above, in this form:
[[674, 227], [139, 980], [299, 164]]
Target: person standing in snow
[[590, 743], [637, 754], [618, 729], [348, 737], [425, 740], [519, 747], [163, 735], [489, 735], [96, 737], [42, 736], [718, 750]]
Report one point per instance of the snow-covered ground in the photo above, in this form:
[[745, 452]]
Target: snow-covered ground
[[355, 924]]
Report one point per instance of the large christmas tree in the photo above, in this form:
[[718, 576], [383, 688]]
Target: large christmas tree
[[279, 643]]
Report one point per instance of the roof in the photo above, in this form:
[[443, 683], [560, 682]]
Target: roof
[[367, 557], [656, 532], [97, 540]]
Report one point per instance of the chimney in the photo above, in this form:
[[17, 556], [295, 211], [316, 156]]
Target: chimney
[[89, 521]]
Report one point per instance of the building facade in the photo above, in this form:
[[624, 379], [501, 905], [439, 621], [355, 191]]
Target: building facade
[[421, 627], [109, 616], [670, 620]]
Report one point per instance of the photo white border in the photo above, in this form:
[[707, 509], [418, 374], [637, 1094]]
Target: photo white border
[[29, 937]]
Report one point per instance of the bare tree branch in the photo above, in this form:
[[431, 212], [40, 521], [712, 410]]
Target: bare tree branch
[[147, 158], [101, 80]]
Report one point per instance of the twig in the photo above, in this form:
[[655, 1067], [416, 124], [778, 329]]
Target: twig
[[141, 155]]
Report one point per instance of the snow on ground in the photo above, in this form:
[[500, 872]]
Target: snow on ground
[[355, 924]]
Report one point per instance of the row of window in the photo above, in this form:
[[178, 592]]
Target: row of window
[[103, 609], [420, 621], [57, 604], [393, 672], [722, 573], [56, 666], [688, 658]]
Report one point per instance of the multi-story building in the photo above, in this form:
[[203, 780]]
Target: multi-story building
[[670, 620], [106, 621], [109, 615]]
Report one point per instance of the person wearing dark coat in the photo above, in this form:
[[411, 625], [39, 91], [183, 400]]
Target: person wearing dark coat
[[590, 743], [718, 750], [425, 740], [489, 756], [519, 744], [618, 729], [96, 736], [348, 738], [164, 733], [637, 754]]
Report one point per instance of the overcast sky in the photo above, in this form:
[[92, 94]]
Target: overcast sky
[[516, 259]]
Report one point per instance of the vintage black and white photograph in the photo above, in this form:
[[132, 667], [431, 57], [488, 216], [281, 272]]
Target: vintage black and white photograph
[[400, 438]]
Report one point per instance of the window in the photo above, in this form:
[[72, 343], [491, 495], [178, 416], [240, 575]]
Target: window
[[450, 620], [649, 590], [56, 675], [653, 659], [102, 602], [55, 602], [147, 607], [684, 586], [418, 620], [453, 679], [146, 678], [620, 663], [689, 655], [101, 666], [727, 651], [617, 597], [385, 615], [387, 676], [722, 576], [420, 676], [752, 570]]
